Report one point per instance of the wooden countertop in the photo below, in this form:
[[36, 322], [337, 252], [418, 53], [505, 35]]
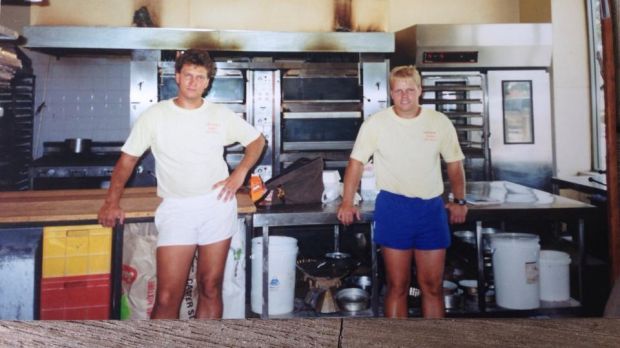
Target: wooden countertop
[[82, 205], [335, 332]]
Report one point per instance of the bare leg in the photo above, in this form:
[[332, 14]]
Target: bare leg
[[430, 266], [173, 263], [211, 263], [398, 274]]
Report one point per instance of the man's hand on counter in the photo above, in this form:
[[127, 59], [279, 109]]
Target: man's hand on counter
[[109, 214], [347, 213], [457, 212]]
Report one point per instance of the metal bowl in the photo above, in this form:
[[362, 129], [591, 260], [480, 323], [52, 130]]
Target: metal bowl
[[363, 282], [352, 300], [453, 300]]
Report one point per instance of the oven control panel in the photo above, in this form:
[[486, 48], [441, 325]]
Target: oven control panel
[[450, 57], [266, 103]]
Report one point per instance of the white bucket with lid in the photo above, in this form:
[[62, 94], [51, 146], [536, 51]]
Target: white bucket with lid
[[554, 275], [282, 260], [515, 270]]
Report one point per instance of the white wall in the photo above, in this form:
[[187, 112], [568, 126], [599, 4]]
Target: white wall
[[271, 15], [405, 13], [571, 86]]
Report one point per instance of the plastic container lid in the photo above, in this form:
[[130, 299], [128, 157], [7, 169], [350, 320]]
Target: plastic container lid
[[468, 283], [554, 257], [512, 236]]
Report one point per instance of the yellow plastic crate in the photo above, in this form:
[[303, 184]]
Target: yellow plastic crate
[[76, 250]]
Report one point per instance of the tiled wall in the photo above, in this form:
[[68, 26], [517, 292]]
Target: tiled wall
[[84, 97]]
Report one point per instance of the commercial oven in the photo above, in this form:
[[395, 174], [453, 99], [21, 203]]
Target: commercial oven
[[324, 103], [321, 113]]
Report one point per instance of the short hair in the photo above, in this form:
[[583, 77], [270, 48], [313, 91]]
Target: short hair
[[406, 71], [195, 57]]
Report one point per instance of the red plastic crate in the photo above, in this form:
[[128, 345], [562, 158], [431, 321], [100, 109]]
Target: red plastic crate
[[76, 297]]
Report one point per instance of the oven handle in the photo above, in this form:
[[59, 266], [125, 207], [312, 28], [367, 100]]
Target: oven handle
[[316, 145], [321, 115]]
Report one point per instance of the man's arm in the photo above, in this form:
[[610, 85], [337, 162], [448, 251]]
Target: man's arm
[[251, 155], [352, 176], [111, 211], [456, 176]]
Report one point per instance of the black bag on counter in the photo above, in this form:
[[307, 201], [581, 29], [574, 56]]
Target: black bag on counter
[[299, 183]]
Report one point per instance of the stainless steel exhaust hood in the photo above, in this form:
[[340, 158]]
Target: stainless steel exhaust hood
[[475, 46], [140, 38]]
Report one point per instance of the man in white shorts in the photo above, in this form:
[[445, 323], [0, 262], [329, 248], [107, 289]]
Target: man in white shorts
[[187, 135]]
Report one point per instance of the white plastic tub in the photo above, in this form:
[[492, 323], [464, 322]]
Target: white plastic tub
[[554, 276], [515, 270], [282, 260]]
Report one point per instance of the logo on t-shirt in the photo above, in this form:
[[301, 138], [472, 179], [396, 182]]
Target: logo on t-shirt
[[430, 136], [213, 127]]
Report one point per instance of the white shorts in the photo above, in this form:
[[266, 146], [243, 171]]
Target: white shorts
[[199, 220]]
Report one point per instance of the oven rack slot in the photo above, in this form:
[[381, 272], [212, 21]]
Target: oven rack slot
[[451, 101], [449, 88]]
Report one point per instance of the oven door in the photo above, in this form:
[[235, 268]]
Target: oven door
[[228, 86], [321, 113], [326, 130]]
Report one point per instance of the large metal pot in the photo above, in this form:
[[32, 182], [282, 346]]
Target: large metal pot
[[328, 267], [78, 145]]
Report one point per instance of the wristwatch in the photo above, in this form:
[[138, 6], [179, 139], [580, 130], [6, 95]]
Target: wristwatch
[[459, 201]]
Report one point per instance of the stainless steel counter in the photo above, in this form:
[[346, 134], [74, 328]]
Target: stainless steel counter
[[546, 206], [320, 214]]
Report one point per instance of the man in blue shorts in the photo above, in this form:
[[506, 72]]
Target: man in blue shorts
[[407, 143]]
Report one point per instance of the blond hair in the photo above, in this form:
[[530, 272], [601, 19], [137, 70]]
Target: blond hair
[[405, 72]]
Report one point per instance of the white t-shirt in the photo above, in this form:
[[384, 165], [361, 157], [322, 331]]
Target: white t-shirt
[[188, 145], [407, 151]]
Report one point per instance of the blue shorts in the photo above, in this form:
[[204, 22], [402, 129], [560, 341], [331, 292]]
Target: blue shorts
[[411, 223]]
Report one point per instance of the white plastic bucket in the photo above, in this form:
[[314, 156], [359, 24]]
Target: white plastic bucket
[[515, 270], [282, 259], [554, 276]]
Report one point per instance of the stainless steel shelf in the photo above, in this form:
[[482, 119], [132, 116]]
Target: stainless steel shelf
[[469, 128], [450, 101], [456, 114], [449, 88]]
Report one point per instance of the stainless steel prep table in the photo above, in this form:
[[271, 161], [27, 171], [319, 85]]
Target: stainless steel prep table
[[303, 215], [570, 211]]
